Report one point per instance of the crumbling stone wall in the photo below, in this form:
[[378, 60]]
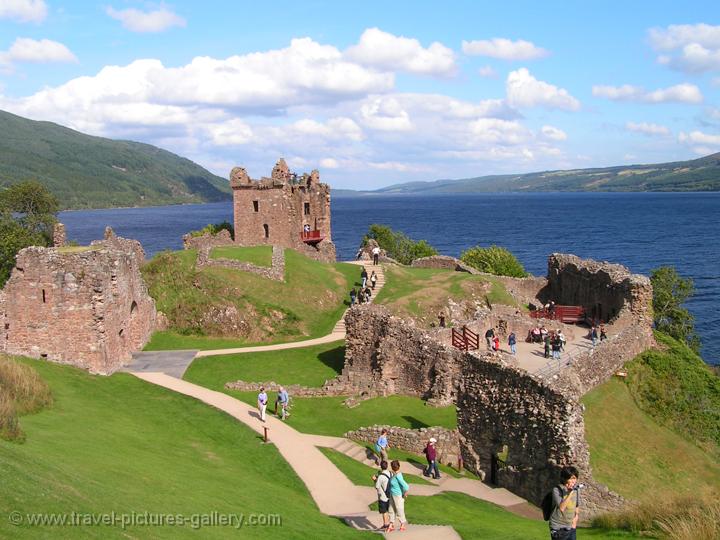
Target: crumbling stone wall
[[608, 292], [444, 262], [276, 271], [385, 355], [414, 440], [88, 307], [207, 240], [277, 210]]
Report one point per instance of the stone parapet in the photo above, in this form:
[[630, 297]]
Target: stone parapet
[[207, 240], [414, 440], [276, 271]]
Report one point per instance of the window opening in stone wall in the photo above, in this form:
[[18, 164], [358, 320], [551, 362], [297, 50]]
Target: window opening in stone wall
[[133, 307], [121, 333], [267, 230], [44, 298], [256, 206], [307, 208]]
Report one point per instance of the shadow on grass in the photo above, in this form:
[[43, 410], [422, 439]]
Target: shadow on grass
[[334, 358], [414, 422]]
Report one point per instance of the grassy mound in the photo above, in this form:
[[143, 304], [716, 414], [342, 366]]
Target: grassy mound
[[635, 456], [676, 388], [22, 391], [422, 292], [119, 444], [312, 366], [257, 255], [221, 307]]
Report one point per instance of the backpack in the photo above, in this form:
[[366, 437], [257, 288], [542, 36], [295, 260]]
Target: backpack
[[548, 505], [389, 476]]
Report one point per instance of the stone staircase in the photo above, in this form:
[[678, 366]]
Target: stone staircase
[[339, 327]]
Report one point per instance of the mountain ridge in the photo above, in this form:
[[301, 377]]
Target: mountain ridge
[[85, 171]]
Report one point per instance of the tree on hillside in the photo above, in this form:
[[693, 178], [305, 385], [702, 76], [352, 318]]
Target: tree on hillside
[[670, 292], [27, 214], [494, 260], [397, 245]]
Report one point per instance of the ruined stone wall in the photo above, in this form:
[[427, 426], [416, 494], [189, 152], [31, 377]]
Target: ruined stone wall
[[207, 240], [276, 271], [385, 355], [444, 262], [608, 292], [276, 210], [83, 306], [414, 440]]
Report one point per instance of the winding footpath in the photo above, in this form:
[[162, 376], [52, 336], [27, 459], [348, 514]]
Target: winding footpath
[[331, 490]]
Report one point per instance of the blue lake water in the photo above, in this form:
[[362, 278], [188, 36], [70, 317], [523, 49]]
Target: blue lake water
[[639, 230]]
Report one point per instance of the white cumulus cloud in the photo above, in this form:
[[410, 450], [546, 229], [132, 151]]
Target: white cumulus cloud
[[680, 93], [38, 51], [23, 10], [553, 133], [693, 48], [385, 114], [647, 128], [524, 90], [504, 49], [386, 51], [698, 137], [136, 20]]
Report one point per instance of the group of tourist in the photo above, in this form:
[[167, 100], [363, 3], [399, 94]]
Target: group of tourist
[[282, 400], [375, 254], [493, 341], [594, 334], [367, 286], [392, 489], [554, 341]]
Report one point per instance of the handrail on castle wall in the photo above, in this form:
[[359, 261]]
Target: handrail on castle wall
[[465, 340], [311, 236]]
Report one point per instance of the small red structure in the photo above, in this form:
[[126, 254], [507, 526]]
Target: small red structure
[[465, 339], [311, 237], [564, 314]]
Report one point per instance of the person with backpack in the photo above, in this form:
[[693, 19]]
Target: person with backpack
[[431, 454], [398, 493], [512, 342], [373, 279], [382, 486], [561, 506]]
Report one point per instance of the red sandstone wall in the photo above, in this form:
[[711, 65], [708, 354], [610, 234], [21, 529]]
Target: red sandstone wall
[[89, 308]]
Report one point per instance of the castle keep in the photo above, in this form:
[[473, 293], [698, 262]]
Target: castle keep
[[284, 210], [85, 306]]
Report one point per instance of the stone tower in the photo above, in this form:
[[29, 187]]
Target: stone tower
[[284, 210]]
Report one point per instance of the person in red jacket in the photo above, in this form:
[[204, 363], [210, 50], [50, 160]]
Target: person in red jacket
[[431, 455]]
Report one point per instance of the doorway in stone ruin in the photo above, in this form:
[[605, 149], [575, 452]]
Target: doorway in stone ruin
[[133, 333]]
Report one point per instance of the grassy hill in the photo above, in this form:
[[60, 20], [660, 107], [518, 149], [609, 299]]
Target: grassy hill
[[217, 307], [92, 172], [701, 174]]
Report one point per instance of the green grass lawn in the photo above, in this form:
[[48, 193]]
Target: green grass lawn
[[635, 456], [311, 366], [120, 444], [257, 255], [307, 366], [422, 292], [306, 305], [474, 519], [359, 473]]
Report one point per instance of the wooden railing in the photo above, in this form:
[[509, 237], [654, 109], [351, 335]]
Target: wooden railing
[[564, 314], [311, 236], [465, 339]]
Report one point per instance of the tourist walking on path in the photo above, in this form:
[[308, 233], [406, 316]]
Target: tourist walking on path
[[593, 335], [358, 254], [431, 455], [496, 344], [284, 400], [562, 339], [364, 277], [398, 493], [373, 279], [376, 255], [262, 400], [603, 334], [512, 342], [353, 296], [382, 485], [382, 445], [546, 339], [489, 335], [566, 506], [555, 344]]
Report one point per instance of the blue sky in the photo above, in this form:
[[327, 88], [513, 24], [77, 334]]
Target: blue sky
[[374, 93]]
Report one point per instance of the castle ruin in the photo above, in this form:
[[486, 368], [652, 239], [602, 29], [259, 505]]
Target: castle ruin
[[284, 210], [516, 428], [87, 306]]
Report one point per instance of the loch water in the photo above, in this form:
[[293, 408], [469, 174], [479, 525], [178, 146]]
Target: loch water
[[639, 230]]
